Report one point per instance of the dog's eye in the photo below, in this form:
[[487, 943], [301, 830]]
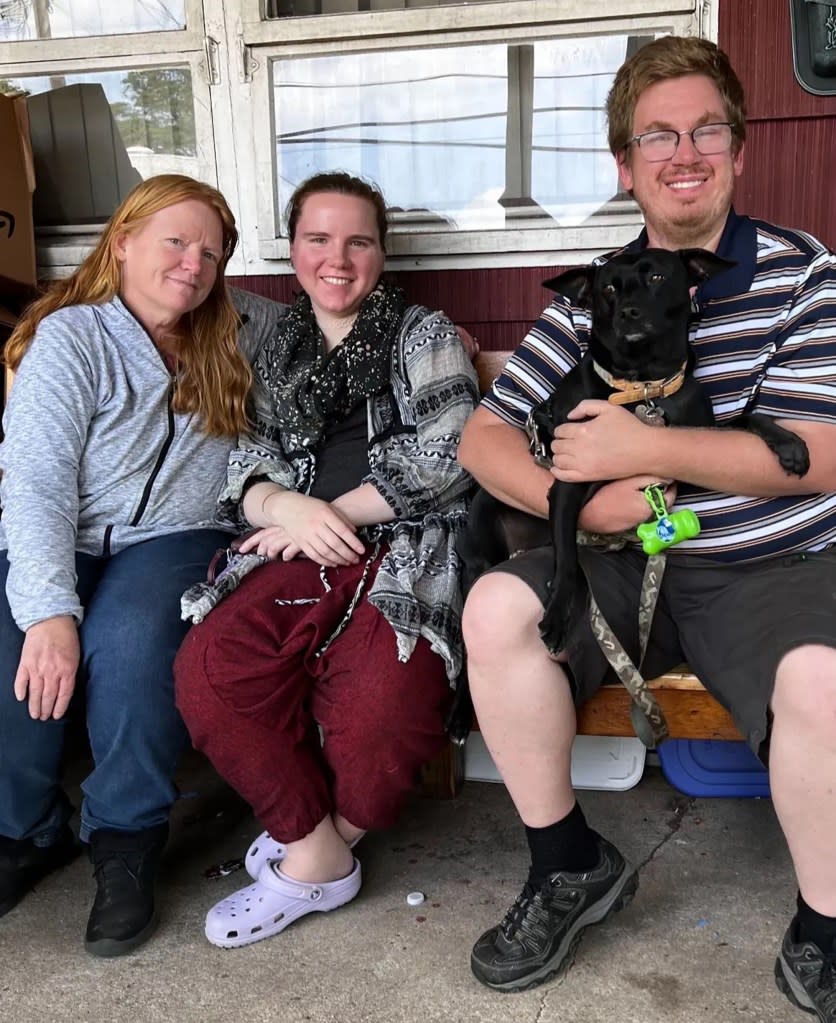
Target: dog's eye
[[655, 278], [608, 289]]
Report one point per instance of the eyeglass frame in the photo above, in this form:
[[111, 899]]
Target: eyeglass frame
[[689, 132]]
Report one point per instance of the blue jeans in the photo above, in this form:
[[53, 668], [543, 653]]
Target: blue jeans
[[129, 637]]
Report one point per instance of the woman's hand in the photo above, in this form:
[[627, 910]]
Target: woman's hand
[[621, 505], [48, 665], [469, 341], [305, 525]]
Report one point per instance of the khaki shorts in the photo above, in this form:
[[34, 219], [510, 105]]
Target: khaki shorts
[[732, 623]]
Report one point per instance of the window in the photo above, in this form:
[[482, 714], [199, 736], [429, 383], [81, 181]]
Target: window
[[476, 138], [482, 122], [61, 19]]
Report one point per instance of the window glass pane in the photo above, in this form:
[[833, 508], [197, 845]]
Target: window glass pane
[[458, 138], [61, 19], [572, 170], [96, 135], [302, 8]]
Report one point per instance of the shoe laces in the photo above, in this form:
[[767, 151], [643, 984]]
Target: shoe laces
[[515, 916], [532, 915], [116, 865]]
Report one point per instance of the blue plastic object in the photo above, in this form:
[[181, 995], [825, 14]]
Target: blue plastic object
[[708, 767]]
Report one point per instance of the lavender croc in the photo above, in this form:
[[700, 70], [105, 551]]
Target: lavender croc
[[272, 903], [263, 849], [266, 849]]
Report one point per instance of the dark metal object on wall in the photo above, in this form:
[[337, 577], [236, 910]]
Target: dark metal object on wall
[[814, 45]]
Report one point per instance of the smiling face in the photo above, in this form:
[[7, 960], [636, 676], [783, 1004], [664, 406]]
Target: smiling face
[[686, 199], [170, 263], [336, 253]]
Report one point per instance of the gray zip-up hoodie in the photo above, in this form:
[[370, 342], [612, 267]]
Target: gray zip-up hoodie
[[93, 459]]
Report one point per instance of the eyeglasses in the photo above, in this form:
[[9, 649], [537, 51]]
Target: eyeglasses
[[708, 140]]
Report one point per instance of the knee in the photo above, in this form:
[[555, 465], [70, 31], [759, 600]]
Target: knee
[[805, 693], [190, 673], [500, 615]]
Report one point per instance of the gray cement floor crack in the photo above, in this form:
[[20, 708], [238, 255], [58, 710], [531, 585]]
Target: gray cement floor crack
[[681, 807]]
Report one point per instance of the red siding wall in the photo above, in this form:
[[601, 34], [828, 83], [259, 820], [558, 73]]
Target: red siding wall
[[790, 168], [789, 178]]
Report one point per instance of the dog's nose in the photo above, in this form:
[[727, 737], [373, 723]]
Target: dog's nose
[[630, 312]]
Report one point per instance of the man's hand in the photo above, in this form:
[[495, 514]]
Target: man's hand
[[48, 665], [305, 525], [600, 442], [620, 506]]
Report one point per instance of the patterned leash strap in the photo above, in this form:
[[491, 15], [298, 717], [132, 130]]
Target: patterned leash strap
[[646, 715]]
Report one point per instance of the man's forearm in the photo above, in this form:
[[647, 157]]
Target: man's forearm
[[497, 456], [738, 462]]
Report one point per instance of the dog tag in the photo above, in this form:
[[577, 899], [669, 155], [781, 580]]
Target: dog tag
[[652, 415]]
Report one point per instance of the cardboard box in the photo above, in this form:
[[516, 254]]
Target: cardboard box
[[18, 275], [17, 183]]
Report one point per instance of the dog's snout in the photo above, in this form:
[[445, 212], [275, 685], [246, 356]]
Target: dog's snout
[[630, 312]]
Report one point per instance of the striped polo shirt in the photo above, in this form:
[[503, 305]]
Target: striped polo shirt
[[764, 338]]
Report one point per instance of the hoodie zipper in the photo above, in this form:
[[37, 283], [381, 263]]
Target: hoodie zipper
[[149, 483], [146, 493]]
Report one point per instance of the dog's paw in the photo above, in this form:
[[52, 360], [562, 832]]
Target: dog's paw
[[793, 456]]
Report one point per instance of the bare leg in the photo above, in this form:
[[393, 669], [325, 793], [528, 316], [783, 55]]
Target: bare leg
[[320, 856], [347, 831], [802, 768], [522, 697]]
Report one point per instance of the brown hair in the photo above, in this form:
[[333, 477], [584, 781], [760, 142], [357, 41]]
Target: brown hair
[[345, 184], [214, 377], [672, 57]]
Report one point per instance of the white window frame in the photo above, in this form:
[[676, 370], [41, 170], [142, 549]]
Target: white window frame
[[193, 48], [515, 20], [227, 48]]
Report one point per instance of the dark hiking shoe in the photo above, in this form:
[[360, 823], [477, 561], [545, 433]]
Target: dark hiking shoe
[[125, 868], [23, 864], [537, 939], [807, 976]]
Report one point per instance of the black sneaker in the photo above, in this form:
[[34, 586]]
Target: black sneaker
[[125, 865], [537, 939], [23, 864], [807, 976]]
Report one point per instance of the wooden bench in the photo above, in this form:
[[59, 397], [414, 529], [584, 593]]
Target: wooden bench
[[691, 712]]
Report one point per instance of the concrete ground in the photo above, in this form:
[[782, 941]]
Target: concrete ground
[[697, 944]]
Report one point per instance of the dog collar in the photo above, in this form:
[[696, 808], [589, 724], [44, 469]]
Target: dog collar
[[627, 391]]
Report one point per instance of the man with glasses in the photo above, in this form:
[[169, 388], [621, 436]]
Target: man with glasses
[[750, 604]]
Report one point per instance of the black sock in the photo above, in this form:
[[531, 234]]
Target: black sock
[[569, 844], [812, 926]]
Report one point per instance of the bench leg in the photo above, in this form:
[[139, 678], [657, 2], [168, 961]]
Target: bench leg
[[443, 777]]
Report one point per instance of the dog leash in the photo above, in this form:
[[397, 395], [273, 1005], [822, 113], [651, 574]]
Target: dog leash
[[647, 717]]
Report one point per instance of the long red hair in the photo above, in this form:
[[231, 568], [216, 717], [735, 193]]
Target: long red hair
[[214, 378]]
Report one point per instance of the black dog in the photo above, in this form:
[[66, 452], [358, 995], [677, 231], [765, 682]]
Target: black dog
[[638, 356]]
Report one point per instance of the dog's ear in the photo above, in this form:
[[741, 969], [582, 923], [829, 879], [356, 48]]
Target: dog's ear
[[702, 264], [575, 284]]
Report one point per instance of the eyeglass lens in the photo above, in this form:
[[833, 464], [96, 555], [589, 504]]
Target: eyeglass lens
[[708, 139]]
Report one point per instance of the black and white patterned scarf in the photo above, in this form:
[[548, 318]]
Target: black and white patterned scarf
[[311, 388]]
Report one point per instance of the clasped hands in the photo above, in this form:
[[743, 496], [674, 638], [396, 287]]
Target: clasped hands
[[305, 526], [601, 441]]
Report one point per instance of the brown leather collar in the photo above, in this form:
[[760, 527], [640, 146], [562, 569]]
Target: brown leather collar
[[627, 391]]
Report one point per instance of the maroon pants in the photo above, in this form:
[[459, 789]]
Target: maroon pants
[[252, 692]]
